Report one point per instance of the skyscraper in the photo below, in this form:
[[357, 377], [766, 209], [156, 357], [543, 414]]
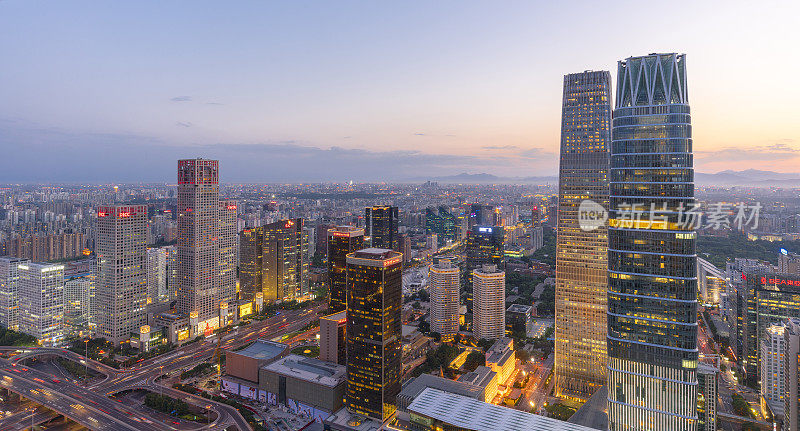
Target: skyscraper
[[652, 290], [444, 286], [791, 370], [158, 274], [489, 304], [485, 245], [381, 226], [342, 241], [121, 285], [198, 240], [443, 223], [251, 253], [41, 302], [582, 255], [285, 260], [374, 301], [9, 291], [228, 250]]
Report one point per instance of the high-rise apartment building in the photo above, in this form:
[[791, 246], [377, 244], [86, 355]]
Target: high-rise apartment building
[[342, 241], [788, 262], [581, 254], [652, 291], [381, 223], [489, 303], [41, 302], [791, 371], [9, 291], [374, 301], [772, 368], [444, 286], [537, 230], [121, 285], [707, 393]]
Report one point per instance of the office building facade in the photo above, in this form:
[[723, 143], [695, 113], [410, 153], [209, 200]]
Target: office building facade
[[772, 368], [444, 287], [381, 223], [581, 254], [41, 302], [198, 241], [9, 291], [489, 303], [443, 223], [342, 241], [652, 287], [121, 285], [791, 372], [333, 338], [374, 302]]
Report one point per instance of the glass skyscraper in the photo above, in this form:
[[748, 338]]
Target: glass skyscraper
[[380, 224], [652, 284], [374, 331], [581, 254]]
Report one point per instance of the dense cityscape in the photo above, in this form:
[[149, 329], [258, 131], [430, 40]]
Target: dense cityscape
[[622, 290]]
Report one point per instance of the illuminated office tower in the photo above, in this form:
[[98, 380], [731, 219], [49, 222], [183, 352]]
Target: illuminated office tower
[[652, 291], [121, 285], [198, 243], [9, 291], [489, 303], [581, 255], [285, 260], [485, 245], [342, 241], [251, 254], [228, 250], [381, 226], [41, 302], [373, 333], [443, 223], [444, 286]]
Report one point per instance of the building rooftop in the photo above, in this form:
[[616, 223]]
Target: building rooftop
[[471, 414], [414, 387], [519, 308], [336, 316], [480, 377], [262, 350], [309, 369], [374, 253], [592, 413], [344, 420]]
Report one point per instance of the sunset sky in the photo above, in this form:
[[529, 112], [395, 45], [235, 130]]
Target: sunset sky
[[314, 91]]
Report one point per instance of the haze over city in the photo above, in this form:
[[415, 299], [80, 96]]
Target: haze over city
[[286, 91]]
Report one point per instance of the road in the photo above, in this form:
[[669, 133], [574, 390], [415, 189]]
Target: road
[[536, 392], [97, 411]]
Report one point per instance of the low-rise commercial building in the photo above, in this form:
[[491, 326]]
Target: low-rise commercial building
[[483, 378], [501, 359], [332, 332], [244, 364], [308, 386]]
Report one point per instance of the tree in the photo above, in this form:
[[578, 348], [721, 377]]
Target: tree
[[523, 355], [474, 360]]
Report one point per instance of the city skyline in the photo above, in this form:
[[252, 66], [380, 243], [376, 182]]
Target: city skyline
[[357, 85]]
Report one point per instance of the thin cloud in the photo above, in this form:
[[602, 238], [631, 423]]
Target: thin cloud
[[181, 99], [184, 124], [780, 150], [500, 147]]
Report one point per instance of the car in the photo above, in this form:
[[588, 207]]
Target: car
[[56, 381]]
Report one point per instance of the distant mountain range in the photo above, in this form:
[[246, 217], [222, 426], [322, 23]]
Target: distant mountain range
[[749, 177]]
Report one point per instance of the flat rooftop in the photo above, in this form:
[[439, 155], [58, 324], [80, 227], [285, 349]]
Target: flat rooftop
[[309, 369], [592, 413], [471, 414], [374, 253], [519, 308], [480, 377], [415, 387], [336, 316], [344, 420], [262, 350]]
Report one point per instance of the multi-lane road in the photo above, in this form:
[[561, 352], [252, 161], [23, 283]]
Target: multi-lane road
[[92, 407]]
